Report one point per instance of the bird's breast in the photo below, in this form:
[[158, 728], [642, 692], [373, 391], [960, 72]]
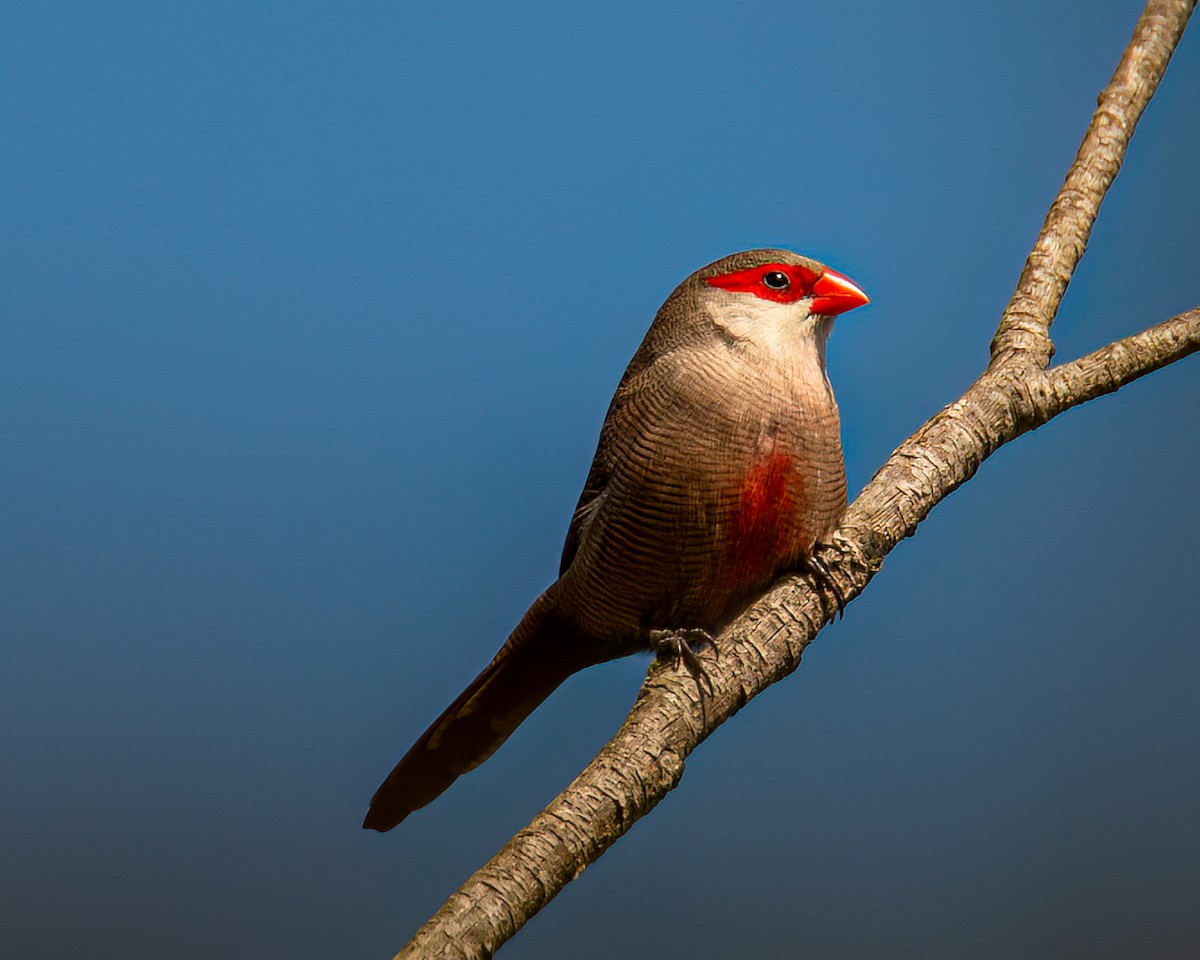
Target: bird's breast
[[714, 484]]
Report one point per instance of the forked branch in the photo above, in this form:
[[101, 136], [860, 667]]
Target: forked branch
[[1017, 393]]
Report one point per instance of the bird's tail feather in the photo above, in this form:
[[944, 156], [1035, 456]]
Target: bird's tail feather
[[541, 653]]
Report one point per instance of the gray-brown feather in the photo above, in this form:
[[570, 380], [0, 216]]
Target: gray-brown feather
[[697, 408]]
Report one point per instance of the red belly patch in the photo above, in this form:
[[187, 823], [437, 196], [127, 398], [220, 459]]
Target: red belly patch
[[762, 526]]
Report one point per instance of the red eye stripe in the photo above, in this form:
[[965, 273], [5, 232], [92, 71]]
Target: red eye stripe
[[752, 280]]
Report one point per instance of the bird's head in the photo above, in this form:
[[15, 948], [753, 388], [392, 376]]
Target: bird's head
[[770, 297]]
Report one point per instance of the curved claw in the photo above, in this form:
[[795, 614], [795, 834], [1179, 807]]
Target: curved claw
[[680, 646], [825, 579]]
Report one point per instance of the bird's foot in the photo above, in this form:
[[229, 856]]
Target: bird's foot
[[680, 647], [824, 580]]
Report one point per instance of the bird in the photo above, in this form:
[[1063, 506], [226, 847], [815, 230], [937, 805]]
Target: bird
[[719, 468]]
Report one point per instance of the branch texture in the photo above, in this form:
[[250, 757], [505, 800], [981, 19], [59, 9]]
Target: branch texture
[[1024, 333], [645, 759]]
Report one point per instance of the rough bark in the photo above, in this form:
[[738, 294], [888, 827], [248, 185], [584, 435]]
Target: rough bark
[[1017, 393], [1024, 335]]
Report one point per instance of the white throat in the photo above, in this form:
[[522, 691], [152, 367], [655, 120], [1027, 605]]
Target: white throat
[[775, 334]]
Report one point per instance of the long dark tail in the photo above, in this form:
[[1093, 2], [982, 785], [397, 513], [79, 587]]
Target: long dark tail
[[541, 653]]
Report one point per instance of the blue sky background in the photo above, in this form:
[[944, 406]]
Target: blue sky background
[[311, 313]]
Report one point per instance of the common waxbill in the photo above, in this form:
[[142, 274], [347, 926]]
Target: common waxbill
[[719, 467]]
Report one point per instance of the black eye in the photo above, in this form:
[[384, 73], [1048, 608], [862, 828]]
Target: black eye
[[776, 280]]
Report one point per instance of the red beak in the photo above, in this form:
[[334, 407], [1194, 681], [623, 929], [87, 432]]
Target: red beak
[[834, 293]]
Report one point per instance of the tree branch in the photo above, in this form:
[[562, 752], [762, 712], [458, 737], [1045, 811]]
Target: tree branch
[[645, 758], [1000, 406], [1110, 368], [1024, 334]]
